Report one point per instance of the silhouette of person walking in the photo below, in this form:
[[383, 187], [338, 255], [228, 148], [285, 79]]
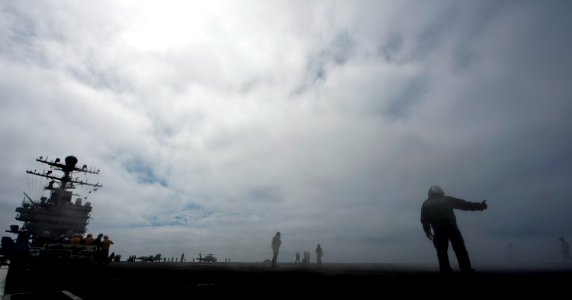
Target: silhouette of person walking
[[98, 249], [306, 258], [319, 254], [105, 245], [565, 250], [297, 257], [276, 242], [437, 214]]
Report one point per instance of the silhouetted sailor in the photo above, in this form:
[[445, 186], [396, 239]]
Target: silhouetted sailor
[[89, 240], [276, 242], [98, 250], [565, 250], [319, 254], [105, 245], [306, 258], [76, 239], [437, 214]]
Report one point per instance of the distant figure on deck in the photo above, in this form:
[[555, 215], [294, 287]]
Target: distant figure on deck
[[565, 250], [437, 214], [276, 243], [319, 254], [297, 257], [89, 239], [98, 250], [306, 258], [105, 245], [76, 239]]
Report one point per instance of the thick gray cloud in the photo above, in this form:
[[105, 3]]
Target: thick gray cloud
[[216, 125]]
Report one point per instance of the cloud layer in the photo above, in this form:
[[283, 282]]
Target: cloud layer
[[216, 125]]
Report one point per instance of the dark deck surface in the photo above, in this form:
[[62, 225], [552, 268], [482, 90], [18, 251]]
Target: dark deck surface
[[255, 280]]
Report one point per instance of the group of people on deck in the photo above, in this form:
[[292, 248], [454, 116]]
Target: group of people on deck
[[102, 244]]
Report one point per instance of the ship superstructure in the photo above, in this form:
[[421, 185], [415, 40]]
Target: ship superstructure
[[59, 215]]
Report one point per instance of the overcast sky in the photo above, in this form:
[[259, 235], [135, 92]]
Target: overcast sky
[[217, 123]]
